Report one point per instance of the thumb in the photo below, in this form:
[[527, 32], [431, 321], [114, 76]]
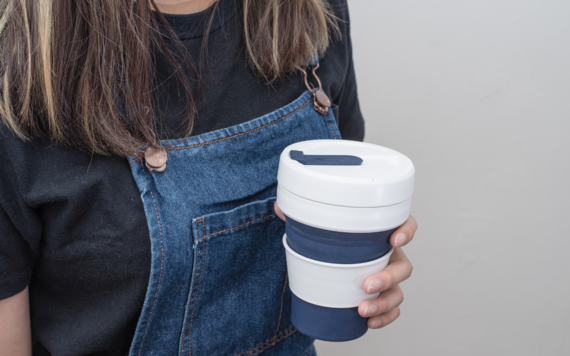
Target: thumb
[[278, 212]]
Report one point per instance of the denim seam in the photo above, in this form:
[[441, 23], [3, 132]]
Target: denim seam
[[197, 291], [242, 133], [233, 228], [330, 125], [307, 350], [161, 261], [239, 134], [271, 342], [282, 337], [187, 309], [281, 310], [136, 159], [189, 303]]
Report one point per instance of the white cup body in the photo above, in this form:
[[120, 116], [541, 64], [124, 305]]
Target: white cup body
[[329, 284]]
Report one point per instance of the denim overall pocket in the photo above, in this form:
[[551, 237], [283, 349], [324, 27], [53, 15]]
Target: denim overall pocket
[[250, 284]]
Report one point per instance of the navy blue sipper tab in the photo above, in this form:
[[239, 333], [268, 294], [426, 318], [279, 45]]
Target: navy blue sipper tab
[[325, 160]]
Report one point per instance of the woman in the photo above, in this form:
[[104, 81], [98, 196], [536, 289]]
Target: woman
[[139, 152]]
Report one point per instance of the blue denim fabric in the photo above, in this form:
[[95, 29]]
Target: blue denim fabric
[[218, 283]]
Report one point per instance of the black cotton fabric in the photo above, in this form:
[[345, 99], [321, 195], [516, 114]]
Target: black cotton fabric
[[72, 224]]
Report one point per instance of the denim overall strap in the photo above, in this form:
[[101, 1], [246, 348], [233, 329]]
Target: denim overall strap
[[218, 282]]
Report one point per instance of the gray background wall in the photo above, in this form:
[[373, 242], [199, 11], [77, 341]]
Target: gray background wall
[[477, 94]]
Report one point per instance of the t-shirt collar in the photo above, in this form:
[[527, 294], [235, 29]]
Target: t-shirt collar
[[194, 25]]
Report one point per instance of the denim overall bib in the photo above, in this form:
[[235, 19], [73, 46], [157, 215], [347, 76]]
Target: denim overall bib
[[218, 282]]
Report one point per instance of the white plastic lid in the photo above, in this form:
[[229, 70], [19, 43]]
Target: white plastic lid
[[385, 177]]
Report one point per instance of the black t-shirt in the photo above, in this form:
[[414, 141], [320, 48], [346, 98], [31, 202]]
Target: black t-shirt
[[72, 224]]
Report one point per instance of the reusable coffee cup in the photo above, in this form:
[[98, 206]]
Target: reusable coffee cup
[[342, 201]]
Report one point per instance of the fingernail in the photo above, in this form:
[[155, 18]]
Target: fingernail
[[376, 323], [374, 286], [370, 310], [401, 239]]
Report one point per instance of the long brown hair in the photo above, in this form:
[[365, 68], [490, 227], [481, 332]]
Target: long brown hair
[[66, 65]]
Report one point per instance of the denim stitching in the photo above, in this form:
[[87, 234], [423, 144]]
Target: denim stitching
[[282, 337], [186, 319], [239, 134], [308, 351], [196, 298], [136, 159], [280, 311], [272, 340], [233, 228], [190, 302], [236, 135], [204, 227], [330, 125], [161, 261]]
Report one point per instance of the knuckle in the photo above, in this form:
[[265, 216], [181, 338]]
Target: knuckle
[[382, 305], [400, 298], [389, 280]]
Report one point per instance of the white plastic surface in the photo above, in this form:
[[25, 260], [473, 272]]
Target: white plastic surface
[[342, 218], [329, 284], [385, 177]]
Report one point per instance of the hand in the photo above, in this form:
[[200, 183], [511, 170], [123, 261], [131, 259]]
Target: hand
[[385, 309]]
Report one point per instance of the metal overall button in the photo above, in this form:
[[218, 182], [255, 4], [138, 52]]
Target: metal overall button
[[155, 159], [322, 98]]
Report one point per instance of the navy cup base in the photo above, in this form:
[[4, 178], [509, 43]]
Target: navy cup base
[[327, 324]]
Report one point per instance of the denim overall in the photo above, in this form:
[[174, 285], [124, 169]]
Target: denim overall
[[218, 282]]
